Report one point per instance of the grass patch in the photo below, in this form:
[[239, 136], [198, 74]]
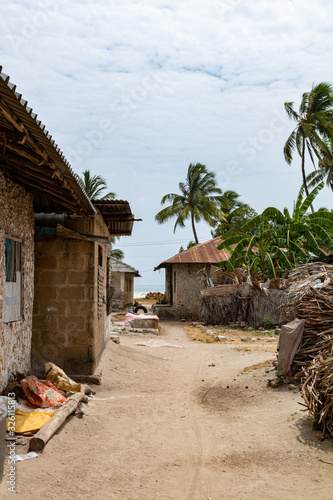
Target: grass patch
[[259, 366], [119, 316], [264, 348], [199, 335]]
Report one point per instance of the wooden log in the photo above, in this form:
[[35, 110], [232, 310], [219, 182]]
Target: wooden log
[[48, 430]]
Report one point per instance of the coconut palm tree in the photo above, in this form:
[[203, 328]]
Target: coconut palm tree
[[325, 168], [234, 213], [198, 200], [94, 185], [116, 252], [314, 124]]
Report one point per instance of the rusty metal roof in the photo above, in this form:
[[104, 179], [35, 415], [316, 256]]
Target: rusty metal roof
[[117, 215], [63, 181], [204, 253]]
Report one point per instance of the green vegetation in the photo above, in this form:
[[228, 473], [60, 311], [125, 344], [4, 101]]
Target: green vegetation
[[283, 240], [94, 185], [233, 214]]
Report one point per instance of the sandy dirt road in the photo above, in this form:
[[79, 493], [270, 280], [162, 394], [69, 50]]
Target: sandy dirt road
[[165, 425]]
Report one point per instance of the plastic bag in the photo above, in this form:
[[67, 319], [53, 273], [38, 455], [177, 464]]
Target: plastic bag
[[5, 401], [60, 379], [29, 422], [42, 394]]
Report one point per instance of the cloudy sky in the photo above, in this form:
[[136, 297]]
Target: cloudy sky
[[135, 90]]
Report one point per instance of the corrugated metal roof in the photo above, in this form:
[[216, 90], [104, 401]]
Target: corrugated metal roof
[[204, 253], [117, 215], [25, 114], [122, 267]]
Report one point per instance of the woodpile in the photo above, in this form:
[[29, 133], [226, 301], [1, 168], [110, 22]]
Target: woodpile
[[311, 299], [158, 296]]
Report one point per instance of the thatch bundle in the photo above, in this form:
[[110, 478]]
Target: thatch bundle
[[311, 298], [317, 389], [249, 303]]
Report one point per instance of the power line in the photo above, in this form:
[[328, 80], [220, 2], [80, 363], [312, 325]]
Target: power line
[[151, 243]]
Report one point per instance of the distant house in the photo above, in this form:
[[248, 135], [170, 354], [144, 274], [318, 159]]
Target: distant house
[[186, 274], [55, 280], [122, 284]]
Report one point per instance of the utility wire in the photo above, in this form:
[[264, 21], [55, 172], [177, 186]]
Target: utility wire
[[149, 243]]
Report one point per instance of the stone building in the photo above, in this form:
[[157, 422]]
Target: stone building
[[34, 177], [186, 274], [72, 252], [122, 284]]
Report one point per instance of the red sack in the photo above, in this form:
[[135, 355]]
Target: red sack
[[42, 394]]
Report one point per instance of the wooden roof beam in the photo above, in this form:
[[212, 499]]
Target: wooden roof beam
[[7, 135], [21, 151], [18, 125], [54, 196]]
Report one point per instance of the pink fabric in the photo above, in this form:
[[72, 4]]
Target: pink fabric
[[131, 317]]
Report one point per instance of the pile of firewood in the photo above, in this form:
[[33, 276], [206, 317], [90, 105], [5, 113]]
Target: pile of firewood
[[311, 298]]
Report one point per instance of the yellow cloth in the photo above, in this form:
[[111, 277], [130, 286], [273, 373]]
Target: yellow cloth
[[29, 421]]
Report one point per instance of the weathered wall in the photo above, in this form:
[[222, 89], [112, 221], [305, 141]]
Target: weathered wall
[[16, 220], [186, 285], [70, 324], [123, 284]]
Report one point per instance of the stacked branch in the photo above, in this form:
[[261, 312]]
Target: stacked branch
[[311, 298], [317, 389]]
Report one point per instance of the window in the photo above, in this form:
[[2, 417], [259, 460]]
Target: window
[[13, 287]]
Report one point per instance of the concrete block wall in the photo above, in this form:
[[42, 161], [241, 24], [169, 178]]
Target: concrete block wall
[[16, 220], [64, 306]]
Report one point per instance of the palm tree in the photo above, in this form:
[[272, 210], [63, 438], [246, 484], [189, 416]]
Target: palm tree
[[94, 185], [116, 252], [314, 124], [325, 168], [198, 200], [234, 213]]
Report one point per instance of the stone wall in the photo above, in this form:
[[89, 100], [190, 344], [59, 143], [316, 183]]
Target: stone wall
[[17, 221], [186, 286]]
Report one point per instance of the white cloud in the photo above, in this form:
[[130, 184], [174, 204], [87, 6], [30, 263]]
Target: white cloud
[[136, 90]]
